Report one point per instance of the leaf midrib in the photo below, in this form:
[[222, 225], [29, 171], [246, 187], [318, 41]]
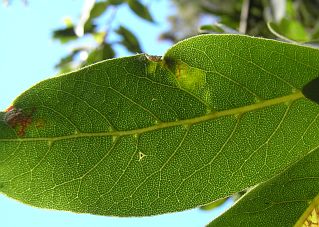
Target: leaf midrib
[[187, 122]]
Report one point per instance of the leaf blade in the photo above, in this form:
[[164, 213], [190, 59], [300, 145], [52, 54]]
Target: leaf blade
[[132, 137], [268, 204]]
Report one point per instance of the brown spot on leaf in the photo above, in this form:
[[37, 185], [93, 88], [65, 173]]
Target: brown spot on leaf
[[19, 119], [9, 108], [153, 58]]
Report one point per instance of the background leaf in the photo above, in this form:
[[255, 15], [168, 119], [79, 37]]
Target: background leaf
[[278, 202], [129, 40], [293, 30], [135, 137], [140, 10], [103, 51]]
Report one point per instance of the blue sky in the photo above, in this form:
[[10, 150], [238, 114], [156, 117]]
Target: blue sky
[[28, 55]]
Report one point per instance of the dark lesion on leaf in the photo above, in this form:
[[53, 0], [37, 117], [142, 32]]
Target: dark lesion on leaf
[[173, 65], [19, 119], [311, 90]]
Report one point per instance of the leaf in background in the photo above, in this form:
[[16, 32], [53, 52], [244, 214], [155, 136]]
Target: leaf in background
[[216, 28], [102, 52], [98, 9], [140, 10], [65, 34], [68, 34], [129, 40], [280, 201], [99, 37], [67, 60], [116, 2], [134, 137], [291, 29]]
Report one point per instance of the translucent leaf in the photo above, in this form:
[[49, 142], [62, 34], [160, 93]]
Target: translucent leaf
[[280, 201], [136, 136], [214, 205]]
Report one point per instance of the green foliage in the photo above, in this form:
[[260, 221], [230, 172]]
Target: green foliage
[[280, 201], [104, 51], [129, 40], [291, 16], [137, 136], [140, 10], [289, 20], [103, 48]]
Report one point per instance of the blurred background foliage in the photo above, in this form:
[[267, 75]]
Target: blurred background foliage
[[287, 20]]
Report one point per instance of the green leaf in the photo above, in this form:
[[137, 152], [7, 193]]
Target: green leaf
[[98, 9], [280, 201], [129, 40], [216, 28], [140, 10], [102, 52], [116, 2], [136, 136], [68, 59], [64, 34], [68, 34], [291, 29], [214, 205]]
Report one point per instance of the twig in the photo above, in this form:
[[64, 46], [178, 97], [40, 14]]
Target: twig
[[244, 17]]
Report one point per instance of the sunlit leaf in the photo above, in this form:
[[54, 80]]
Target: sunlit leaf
[[135, 136], [214, 205], [312, 218], [280, 201]]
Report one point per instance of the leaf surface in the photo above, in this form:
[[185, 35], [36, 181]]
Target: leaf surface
[[281, 201], [140, 136]]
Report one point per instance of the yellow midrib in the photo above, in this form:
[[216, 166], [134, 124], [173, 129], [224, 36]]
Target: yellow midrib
[[188, 122], [308, 211]]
